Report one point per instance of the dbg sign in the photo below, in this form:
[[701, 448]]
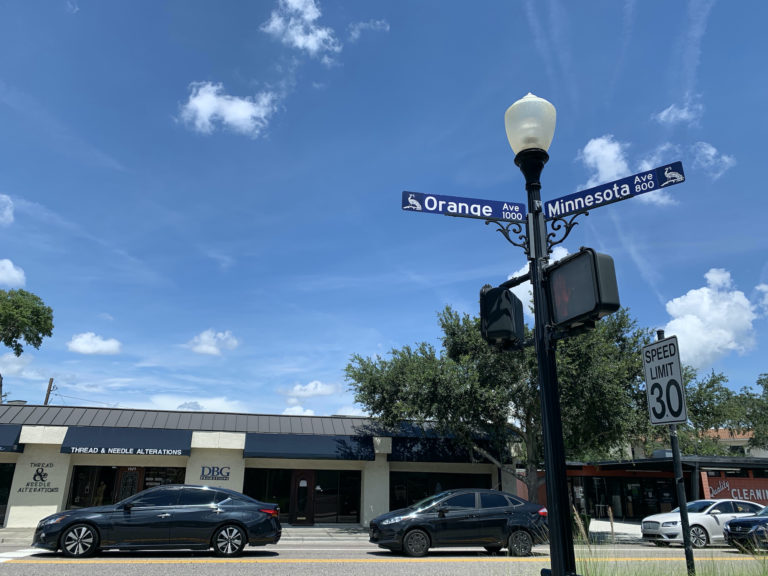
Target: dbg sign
[[664, 382]]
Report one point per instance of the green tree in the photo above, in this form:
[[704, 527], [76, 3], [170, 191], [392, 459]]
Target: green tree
[[23, 317], [473, 390], [755, 410]]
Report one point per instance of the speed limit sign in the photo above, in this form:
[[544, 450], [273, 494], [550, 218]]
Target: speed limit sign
[[664, 382]]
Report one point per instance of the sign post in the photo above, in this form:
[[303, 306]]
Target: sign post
[[666, 405]]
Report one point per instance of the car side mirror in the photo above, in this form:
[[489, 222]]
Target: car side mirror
[[714, 512], [127, 506], [441, 512]]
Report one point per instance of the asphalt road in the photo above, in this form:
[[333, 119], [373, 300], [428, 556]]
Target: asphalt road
[[355, 556]]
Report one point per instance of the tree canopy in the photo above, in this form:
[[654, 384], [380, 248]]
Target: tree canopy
[[24, 317], [473, 390]]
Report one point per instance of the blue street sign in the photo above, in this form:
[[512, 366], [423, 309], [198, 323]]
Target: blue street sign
[[464, 207], [611, 192]]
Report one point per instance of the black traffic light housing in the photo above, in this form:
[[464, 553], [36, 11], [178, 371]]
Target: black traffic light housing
[[582, 289], [501, 317]]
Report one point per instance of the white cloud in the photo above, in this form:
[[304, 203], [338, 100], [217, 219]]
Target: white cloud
[[605, 157], [293, 22], [712, 321], [354, 410], [12, 365], [314, 388], [211, 343], [356, 29], [179, 402], [762, 290], [689, 113], [208, 105], [11, 275], [298, 411], [706, 157], [6, 210], [90, 343]]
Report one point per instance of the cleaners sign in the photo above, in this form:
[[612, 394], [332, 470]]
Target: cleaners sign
[[611, 192]]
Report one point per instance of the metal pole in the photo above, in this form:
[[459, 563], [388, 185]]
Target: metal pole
[[563, 562], [682, 501]]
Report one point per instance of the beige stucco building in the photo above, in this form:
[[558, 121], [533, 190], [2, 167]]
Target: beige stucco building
[[319, 469]]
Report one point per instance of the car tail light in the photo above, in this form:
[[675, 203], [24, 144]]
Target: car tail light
[[274, 512], [543, 512]]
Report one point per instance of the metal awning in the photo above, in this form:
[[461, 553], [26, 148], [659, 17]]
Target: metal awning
[[308, 446], [9, 438], [127, 441]]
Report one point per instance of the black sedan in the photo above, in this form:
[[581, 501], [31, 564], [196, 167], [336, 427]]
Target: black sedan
[[487, 518], [164, 517], [748, 533]]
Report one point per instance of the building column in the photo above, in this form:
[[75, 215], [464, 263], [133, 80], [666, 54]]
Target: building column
[[41, 479], [216, 459], [375, 480]]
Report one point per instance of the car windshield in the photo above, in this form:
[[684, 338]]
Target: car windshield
[[697, 506], [427, 502], [763, 512]]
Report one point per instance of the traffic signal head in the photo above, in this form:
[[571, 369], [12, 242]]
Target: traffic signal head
[[582, 289], [501, 317]]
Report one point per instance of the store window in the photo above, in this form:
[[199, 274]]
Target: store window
[[102, 485], [335, 493], [405, 488], [6, 477]]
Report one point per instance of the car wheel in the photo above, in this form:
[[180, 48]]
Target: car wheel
[[698, 537], [228, 541], [520, 543], [416, 543], [80, 541], [493, 549]]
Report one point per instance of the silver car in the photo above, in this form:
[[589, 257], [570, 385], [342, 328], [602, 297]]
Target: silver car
[[705, 518]]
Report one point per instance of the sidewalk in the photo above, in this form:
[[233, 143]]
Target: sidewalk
[[602, 532], [15, 538]]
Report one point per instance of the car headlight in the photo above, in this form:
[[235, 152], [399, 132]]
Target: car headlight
[[393, 520], [53, 520], [669, 524]]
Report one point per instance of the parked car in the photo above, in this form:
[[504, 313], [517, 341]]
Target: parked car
[[706, 519], [749, 532], [164, 517], [487, 518]]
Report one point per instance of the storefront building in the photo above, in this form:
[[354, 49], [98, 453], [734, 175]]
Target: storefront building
[[318, 469], [635, 489]]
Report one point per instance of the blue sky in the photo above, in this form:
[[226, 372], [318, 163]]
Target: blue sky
[[208, 194]]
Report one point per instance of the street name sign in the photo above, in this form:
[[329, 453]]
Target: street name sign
[[463, 207], [628, 187], [664, 382]]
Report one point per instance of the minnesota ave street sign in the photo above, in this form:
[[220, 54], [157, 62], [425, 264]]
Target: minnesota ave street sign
[[664, 382], [463, 207], [634, 185]]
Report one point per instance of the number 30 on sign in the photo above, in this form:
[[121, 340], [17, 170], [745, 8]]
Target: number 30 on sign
[[664, 382]]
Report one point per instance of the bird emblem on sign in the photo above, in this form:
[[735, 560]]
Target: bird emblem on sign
[[671, 176], [413, 204]]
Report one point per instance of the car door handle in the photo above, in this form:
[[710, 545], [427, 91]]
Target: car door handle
[[165, 515]]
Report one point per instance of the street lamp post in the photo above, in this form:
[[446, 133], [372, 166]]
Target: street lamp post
[[530, 125]]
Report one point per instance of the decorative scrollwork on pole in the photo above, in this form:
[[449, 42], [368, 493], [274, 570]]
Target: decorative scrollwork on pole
[[511, 229], [561, 224]]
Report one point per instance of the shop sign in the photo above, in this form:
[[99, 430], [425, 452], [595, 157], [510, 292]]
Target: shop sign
[[39, 478], [219, 473], [126, 451], [750, 489]]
